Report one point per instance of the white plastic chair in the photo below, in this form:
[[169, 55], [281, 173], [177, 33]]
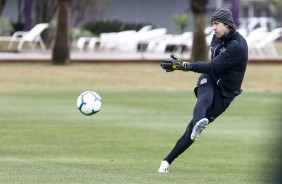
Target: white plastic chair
[[177, 41], [116, 40], [151, 37], [32, 37], [105, 40], [143, 36], [265, 46], [122, 38], [256, 35], [92, 43], [81, 42], [129, 40], [145, 28]]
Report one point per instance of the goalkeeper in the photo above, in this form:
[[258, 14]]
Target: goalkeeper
[[219, 83]]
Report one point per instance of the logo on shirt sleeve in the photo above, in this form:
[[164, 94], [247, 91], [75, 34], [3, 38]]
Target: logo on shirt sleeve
[[203, 81]]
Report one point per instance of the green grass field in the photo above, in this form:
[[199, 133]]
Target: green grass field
[[45, 139]]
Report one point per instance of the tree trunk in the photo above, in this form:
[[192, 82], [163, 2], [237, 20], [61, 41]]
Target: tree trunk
[[199, 47], [61, 52], [2, 5]]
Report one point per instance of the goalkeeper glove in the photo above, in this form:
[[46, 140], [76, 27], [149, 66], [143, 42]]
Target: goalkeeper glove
[[174, 63]]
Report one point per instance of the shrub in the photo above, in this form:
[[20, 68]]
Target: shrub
[[112, 26], [6, 27]]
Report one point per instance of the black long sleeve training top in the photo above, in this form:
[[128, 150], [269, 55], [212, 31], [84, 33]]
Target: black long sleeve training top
[[229, 56]]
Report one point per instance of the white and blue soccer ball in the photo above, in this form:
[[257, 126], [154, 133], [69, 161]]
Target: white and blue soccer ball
[[89, 102]]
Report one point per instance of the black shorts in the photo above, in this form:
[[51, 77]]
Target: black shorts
[[219, 103]]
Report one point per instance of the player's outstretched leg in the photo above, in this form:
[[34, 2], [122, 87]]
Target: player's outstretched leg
[[164, 167], [198, 128]]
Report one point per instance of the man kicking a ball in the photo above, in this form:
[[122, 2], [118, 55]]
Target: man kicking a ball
[[219, 83]]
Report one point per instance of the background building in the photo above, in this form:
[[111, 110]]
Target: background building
[[160, 13]]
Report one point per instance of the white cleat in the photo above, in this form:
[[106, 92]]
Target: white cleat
[[198, 128], [164, 167]]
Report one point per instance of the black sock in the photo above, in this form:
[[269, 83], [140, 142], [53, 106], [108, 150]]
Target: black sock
[[182, 144]]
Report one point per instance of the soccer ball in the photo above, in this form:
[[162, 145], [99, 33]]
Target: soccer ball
[[89, 102]]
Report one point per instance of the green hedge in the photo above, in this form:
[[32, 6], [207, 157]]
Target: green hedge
[[112, 26]]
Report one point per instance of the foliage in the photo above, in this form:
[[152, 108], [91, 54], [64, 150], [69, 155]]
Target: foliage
[[82, 8], [74, 33], [111, 26], [6, 27], [181, 21], [77, 32], [45, 10], [275, 7]]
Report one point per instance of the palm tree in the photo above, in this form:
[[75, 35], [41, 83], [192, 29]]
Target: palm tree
[[199, 47], [61, 52]]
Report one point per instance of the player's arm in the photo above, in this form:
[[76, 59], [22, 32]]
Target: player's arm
[[227, 59], [215, 66], [222, 62]]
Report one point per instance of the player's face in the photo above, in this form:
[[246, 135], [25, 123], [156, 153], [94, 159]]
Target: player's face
[[220, 29]]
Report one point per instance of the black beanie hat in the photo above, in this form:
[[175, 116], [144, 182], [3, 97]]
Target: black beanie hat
[[224, 16]]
